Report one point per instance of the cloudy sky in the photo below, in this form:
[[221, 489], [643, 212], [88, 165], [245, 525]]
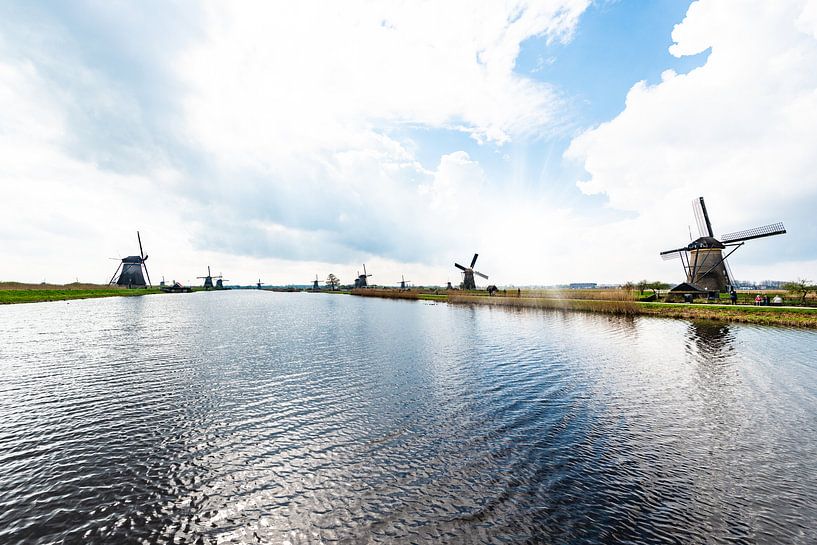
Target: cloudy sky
[[563, 140]]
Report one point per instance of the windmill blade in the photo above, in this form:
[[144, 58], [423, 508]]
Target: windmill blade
[[672, 254], [460, 267], [146, 271], [702, 217], [474, 261], [676, 254], [756, 232], [141, 253], [480, 274]]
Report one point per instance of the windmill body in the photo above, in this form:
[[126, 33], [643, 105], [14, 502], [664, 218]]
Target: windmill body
[[132, 271], [208, 280], [403, 282], [131, 274], [361, 280], [468, 282], [704, 259], [315, 285]]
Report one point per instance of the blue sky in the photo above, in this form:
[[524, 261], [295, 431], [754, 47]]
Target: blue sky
[[283, 141]]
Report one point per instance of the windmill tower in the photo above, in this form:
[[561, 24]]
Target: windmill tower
[[258, 285], [361, 280], [129, 271], [220, 282], [208, 280], [703, 259], [468, 273], [403, 282], [315, 285]]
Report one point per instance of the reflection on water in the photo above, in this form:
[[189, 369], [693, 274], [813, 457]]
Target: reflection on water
[[257, 417]]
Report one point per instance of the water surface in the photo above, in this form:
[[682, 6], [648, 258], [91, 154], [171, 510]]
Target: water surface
[[259, 417]]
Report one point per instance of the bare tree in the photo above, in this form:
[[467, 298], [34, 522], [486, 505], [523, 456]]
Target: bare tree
[[800, 287], [332, 281]]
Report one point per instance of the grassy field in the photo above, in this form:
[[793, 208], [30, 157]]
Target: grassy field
[[614, 302], [17, 292], [784, 316]]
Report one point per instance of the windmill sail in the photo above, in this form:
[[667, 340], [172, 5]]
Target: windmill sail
[[702, 218], [756, 232]]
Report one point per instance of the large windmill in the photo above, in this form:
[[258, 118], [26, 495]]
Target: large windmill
[[208, 280], [703, 259], [403, 282], [129, 271], [361, 280], [468, 274]]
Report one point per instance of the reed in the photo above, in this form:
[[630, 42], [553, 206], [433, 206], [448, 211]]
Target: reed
[[623, 306], [386, 293]]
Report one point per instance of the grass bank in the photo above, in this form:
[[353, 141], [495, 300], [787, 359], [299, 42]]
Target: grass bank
[[17, 292], [613, 302], [781, 316]]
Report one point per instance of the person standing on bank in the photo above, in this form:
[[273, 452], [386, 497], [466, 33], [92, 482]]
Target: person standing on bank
[[733, 296]]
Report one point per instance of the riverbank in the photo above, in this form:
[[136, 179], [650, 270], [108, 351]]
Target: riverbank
[[619, 304], [17, 292]]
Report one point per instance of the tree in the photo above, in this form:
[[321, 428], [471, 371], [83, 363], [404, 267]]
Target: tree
[[642, 285], [332, 281], [657, 286], [800, 287]]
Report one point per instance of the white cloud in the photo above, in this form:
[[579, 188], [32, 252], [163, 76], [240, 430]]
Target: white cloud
[[740, 130], [286, 146], [299, 106], [273, 141], [278, 79]]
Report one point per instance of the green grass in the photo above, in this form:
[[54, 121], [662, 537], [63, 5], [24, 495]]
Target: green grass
[[10, 296]]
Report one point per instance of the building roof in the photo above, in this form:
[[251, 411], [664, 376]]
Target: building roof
[[705, 242], [686, 287]]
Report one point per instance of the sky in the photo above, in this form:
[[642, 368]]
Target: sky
[[562, 140]]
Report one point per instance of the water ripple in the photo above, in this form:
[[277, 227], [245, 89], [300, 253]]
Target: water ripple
[[254, 417]]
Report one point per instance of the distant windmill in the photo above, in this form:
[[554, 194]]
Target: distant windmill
[[130, 269], [220, 281], [705, 265], [315, 285], [361, 280], [259, 284], [403, 282], [208, 280], [468, 282]]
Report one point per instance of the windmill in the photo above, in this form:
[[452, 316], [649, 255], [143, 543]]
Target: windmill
[[220, 282], [259, 284], [208, 280], [130, 268], [360, 281], [468, 274], [315, 285], [705, 265], [403, 282]]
